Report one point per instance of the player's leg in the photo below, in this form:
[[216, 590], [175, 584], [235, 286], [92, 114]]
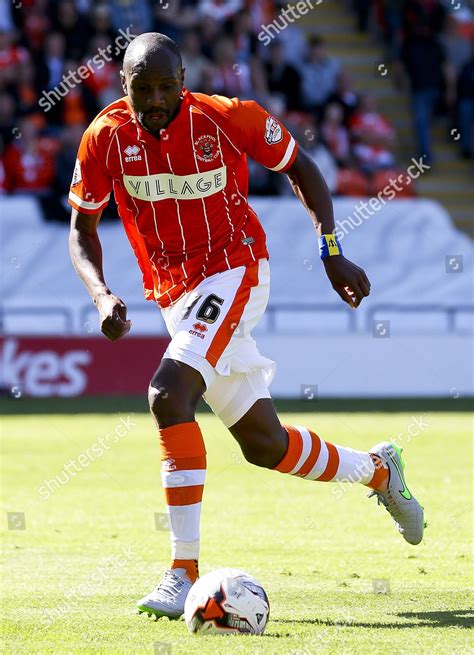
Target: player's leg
[[201, 324], [299, 451], [174, 393]]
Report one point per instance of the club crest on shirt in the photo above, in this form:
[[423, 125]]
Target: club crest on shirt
[[206, 148], [77, 175], [273, 133]]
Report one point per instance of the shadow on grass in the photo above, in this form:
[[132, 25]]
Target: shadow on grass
[[462, 618]]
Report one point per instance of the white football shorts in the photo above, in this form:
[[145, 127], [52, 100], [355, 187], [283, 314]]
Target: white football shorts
[[210, 329]]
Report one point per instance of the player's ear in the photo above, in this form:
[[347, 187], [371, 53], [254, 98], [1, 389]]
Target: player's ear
[[124, 82], [182, 75]]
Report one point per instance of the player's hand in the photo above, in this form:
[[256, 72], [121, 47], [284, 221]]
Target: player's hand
[[347, 279], [113, 317]]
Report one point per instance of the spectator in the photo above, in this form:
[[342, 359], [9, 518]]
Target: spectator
[[259, 86], [78, 104], [230, 79], [135, 14], [283, 78], [220, 10], [292, 37], [315, 148], [423, 19], [427, 70], [7, 120], [345, 96], [209, 33], [174, 17], [335, 134], [11, 56], [49, 71], [373, 137], [245, 41], [320, 74], [465, 108], [74, 28], [101, 25], [66, 158], [393, 12], [194, 62], [36, 24], [27, 94], [104, 82], [29, 161], [362, 10]]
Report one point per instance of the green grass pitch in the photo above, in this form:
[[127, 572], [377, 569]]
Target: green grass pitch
[[340, 579]]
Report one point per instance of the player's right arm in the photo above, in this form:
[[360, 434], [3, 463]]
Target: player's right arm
[[86, 256]]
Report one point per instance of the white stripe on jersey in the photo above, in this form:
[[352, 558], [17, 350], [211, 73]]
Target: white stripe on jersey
[[286, 156], [179, 221], [111, 141], [246, 202], [137, 211], [86, 204], [156, 226], [250, 246], [191, 132]]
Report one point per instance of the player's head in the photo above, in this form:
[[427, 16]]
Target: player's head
[[153, 77]]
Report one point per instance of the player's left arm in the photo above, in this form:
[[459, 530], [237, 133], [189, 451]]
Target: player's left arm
[[347, 279]]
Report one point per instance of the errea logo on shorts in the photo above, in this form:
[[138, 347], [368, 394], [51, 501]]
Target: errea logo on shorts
[[198, 330], [180, 187], [132, 153]]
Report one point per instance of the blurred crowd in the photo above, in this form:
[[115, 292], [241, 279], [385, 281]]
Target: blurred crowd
[[432, 43], [60, 62]]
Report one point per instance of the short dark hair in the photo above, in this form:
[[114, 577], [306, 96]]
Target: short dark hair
[[153, 42]]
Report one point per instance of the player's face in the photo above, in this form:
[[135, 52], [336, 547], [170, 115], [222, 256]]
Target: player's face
[[154, 90]]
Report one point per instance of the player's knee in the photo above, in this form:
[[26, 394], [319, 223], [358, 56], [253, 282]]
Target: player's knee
[[168, 406], [262, 450]]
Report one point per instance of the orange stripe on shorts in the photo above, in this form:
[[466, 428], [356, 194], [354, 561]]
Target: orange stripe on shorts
[[184, 495], [226, 329]]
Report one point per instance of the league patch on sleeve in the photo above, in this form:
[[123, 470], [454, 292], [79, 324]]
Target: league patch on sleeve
[[273, 131], [77, 175]]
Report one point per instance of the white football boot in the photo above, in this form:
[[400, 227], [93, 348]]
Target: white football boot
[[405, 510], [169, 596]]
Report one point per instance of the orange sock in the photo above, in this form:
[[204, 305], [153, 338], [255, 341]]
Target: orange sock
[[183, 472], [380, 474], [190, 565]]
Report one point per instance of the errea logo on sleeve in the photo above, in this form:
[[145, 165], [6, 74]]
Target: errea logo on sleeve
[[132, 153], [273, 132]]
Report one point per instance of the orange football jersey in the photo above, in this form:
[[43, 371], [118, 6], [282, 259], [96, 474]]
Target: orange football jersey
[[182, 198]]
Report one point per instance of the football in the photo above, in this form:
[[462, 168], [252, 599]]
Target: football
[[226, 601]]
